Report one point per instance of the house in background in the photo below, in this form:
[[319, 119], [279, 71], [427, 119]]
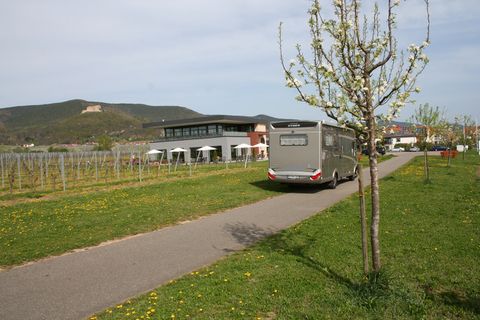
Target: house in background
[[222, 132], [399, 133], [392, 139]]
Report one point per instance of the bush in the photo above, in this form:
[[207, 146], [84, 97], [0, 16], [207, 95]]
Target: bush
[[105, 143], [57, 149]]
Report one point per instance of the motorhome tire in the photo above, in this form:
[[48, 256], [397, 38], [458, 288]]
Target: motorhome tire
[[334, 182], [354, 175]]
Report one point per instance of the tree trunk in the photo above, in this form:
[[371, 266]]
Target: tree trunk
[[449, 156], [375, 222], [425, 166], [363, 219]]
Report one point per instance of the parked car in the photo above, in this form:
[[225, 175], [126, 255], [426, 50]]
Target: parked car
[[380, 149], [398, 149], [438, 148], [414, 149]]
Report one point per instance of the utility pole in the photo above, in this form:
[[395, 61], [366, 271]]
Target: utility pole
[[464, 136], [476, 136]]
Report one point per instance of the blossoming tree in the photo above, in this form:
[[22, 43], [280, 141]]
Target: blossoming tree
[[358, 77], [431, 122], [467, 124]]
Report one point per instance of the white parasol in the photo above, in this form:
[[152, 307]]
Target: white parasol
[[243, 146], [260, 145], [178, 150], [204, 148], [155, 151]]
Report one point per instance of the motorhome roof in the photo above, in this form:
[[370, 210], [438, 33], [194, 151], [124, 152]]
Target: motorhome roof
[[303, 124]]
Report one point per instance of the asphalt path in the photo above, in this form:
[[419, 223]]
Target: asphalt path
[[78, 284]]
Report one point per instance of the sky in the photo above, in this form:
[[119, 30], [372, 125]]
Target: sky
[[213, 56]]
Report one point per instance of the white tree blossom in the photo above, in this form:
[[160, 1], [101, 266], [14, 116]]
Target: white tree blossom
[[357, 76]]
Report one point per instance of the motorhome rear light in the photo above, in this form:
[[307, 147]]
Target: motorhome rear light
[[316, 175], [271, 174]]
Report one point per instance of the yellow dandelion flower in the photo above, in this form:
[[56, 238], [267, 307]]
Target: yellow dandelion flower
[[247, 274]]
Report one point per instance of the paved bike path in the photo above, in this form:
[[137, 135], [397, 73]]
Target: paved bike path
[[76, 285]]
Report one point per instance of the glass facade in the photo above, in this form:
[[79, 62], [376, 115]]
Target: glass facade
[[206, 130]]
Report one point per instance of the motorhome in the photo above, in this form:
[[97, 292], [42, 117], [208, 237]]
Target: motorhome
[[311, 152]]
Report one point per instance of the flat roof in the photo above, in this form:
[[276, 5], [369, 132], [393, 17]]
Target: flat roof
[[204, 120]]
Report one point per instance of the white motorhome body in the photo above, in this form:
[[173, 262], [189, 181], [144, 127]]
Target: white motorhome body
[[311, 152]]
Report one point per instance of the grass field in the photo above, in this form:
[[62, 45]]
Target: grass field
[[430, 251], [34, 175], [154, 175], [33, 230], [35, 225]]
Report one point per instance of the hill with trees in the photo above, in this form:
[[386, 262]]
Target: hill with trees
[[64, 122]]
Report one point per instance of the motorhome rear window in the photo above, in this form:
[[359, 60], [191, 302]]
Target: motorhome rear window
[[293, 140]]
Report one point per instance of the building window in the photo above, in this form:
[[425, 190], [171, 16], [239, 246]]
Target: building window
[[194, 131], [169, 132], [220, 129], [202, 131], [212, 129], [186, 132], [178, 132]]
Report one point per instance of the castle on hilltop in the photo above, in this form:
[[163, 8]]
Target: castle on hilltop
[[95, 108]]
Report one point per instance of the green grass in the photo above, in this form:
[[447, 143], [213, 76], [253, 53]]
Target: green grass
[[430, 252], [88, 182], [30, 231]]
